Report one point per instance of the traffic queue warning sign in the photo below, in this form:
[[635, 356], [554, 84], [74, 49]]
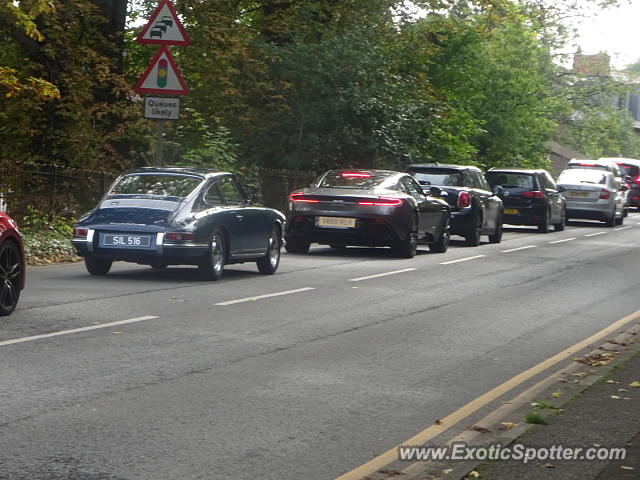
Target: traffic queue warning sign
[[164, 27], [162, 76]]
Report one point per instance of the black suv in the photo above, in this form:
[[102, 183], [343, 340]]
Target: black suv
[[475, 209], [530, 197]]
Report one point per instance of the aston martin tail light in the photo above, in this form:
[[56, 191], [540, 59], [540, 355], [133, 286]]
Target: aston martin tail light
[[80, 232], [383, 202], [300, 197], [178, 236]]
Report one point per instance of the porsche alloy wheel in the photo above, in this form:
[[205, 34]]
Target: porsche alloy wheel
[[268, 264], [212, 267]]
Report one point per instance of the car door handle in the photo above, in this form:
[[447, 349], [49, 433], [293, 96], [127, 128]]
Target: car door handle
[[240, 217]]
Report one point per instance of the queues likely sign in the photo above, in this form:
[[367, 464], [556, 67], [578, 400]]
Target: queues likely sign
[[162, 108]]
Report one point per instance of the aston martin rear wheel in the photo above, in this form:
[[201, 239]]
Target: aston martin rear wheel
[[408, 247], [268, 264], [97, 266], [212, 266], [10, 277]]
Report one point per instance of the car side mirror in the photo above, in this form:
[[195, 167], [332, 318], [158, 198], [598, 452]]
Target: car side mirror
[[561, 189], [433, 191], [497, 190]]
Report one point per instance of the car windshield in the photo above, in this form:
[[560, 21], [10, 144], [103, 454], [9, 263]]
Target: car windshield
[[582, 176], [155, 185], [511, 180], [439, 176], [363, 180]]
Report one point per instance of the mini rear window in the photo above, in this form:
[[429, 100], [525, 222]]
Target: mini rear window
[[439, 176], [583, 176], [356, 179], [155, 185], [511, 180]]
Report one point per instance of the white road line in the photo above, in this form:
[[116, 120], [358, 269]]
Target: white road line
[[462, 259], [622, 228], [268, 295], [382, 274], [76, 330], [594, 234], [564, 240], [519, 248]]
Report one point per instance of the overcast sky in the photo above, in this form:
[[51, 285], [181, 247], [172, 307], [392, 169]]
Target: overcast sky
[[615, 31]]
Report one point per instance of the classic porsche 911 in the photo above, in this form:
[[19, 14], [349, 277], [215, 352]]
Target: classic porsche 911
[[367, 208], [179, 216]]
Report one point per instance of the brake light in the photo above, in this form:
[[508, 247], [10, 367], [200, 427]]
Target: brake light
[[300, 197], [604, 194], [464, 199], [80, 232], [534, 194], [356, 175], [586, 164], [178, 236], [384, 202], [636, 180]]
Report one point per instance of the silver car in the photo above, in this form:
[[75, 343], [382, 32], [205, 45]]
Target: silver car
[[593, 194]]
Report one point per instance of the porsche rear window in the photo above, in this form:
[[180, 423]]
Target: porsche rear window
[[155, 185], [356, 179]]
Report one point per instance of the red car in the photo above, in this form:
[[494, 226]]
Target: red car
[[11, 264]]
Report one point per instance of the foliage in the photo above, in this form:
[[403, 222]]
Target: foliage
[[47, 238]]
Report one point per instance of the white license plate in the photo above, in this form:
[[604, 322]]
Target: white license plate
[[337, 222], [125, 240]]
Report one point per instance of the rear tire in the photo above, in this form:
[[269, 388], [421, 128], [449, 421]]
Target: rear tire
[[97, 266], [297, 245], [611, 221], [408, 247], [10, 277], [546, 225], [496, 237], [442, 244], [212, 266], [268, 264], [558, 227], [473, 239], [620, 221]]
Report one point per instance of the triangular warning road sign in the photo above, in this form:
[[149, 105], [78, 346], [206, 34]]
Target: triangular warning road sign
[[162, 76], [164, 27]]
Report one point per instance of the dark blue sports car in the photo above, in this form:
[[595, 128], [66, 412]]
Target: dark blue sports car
[[179, 216]]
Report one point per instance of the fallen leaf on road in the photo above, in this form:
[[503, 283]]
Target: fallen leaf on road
[[473, 474], [507, 425], [610, 381], [438, 422], [627, 467], [622, 390], [556, 394], [480, 429], [615, 397], [447, 471], [549, 465], [580, 374], [393, 473], [635, 384]]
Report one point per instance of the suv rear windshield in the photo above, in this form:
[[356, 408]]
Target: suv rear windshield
[[356, 179], [155, 185], [511, 180], [445, 177]]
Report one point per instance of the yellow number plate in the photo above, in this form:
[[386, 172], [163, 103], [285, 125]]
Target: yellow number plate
[[340, 222], [510, 211], [578, 193]]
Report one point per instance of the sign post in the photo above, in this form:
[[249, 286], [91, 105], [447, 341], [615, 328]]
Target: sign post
[[162, 76]]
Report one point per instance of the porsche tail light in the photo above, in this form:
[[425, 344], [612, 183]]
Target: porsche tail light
[[534, 194], [301, 197], [604, 194], [464, 199], [178, 236], [384, 202], [80, 232]]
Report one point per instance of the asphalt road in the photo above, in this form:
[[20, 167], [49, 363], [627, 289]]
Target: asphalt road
[[342, 364]]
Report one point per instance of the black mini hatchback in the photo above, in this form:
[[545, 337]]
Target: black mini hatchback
[[530, 197]]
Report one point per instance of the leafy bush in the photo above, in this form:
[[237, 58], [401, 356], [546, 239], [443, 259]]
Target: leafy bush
[[47, 238]]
